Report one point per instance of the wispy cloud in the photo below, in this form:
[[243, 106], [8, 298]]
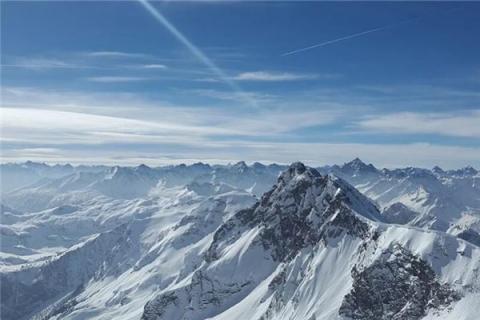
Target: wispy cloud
[[83, 60], [114, 79], [116, 54], [113, 118], [43, 64], [459, 124], [418, 91], [259, 97], [273, 76], [154, 66], [64, 127]]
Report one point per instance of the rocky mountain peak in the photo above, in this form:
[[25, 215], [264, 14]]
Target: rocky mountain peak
[[357, 165], [143, 168], [258, 165], [301, 209], [466, 171], [240, 164], [240, 167], [201, 165], [296, 172], [35, 164], [438, 170]]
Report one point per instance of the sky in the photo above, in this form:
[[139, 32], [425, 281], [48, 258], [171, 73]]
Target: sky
[[394, 83]]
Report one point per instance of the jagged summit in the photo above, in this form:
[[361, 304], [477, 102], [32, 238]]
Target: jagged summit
[[438, 170], [411, 173], [35, 164], [241, 165], [298, 170], [295, 212], [298, 166], [143, 167], [357, 165], [201, 165], [470, 170], [144, 170], [466, 171], [258, 165]]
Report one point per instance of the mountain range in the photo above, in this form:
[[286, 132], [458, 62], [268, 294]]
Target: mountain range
[[239, 242]]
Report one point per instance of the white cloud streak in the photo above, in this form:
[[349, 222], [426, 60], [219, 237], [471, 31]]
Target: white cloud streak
[[38, 64], [38, 118], [466, 124], [59, 127], [84, 61], [114, 79], [235, 96], [116, 54], [64, 127], [273, 76], [154, 66]]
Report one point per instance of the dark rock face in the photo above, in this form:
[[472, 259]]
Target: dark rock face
[[471, 236], [202, 292], [399, 285], [155, 308], [398, 213]]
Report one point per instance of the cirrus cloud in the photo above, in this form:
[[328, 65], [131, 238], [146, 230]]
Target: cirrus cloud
[[113, 79], [460, 124], [273, 76]]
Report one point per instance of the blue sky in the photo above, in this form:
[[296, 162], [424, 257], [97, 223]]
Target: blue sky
[[394, 83]]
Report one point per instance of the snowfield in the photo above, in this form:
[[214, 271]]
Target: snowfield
[[239, 242]]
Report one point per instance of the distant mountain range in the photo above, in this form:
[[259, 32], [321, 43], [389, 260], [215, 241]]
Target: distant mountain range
[[239, 242], [434, 199]]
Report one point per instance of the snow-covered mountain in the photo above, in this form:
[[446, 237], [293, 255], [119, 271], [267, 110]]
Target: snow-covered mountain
[[196, 242], [83, 183], [14, 176], [433, 199]]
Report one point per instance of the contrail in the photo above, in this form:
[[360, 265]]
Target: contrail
[[346, 37], [194, 50]]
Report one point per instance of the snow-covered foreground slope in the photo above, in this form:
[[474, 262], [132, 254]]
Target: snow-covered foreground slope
[[143, 243], [124, 250]]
